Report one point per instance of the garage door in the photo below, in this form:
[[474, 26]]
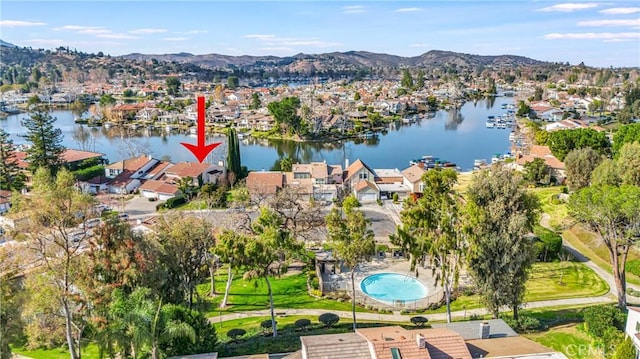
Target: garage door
[[367, 197]]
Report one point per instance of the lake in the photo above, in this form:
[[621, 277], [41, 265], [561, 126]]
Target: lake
[[459, 136]]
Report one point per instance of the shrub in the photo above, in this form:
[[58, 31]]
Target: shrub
[[599, 318], [175, 201], [159, 206], [394, 196], [236, 333], [89, 172], [266, 324], [633, 267], [625, 350], [328, 319], [523, 324], [419, 321], [549, 245], [302, 324]]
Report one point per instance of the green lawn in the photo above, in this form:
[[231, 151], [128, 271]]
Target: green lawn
[[89, 351], [578, 280], [556, 210], [588, 244], [289, 291], [568, 340]]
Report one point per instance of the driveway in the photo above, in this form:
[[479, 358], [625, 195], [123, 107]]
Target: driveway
[[140, 207]]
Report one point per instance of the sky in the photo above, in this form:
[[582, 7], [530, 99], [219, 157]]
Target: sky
[[599, 34]]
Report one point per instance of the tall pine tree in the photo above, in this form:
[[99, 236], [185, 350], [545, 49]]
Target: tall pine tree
[[46, 141], [233, 154], [10, 176]]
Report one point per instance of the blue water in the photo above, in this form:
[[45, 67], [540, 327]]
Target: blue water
[[459, 136], [390, 287]]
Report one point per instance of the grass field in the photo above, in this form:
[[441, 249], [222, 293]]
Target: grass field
[[569, 340], [288, 292], [578, 280], [556, 210], [89, 351]]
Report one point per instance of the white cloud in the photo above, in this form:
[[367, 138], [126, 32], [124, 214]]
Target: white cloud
[[175, 38], [94, 31], [606, 36], [193, 32], [57, 42], [147, 31], [287, 42], [610, 22], [78, 28], [278, 49], [419, 45], [409, 9], [116, 36], [20, 23], [620, 10], [569, 7], [259, 36], [353, 9]]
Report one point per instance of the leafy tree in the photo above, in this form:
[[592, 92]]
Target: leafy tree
[[356, 96], [286, 164], [611, 212], [523, 109], [407, 80], [625, 134], [420, 79], [230, 247], [499, 216], [53, 209], [234, 163], [579, 164], [562, 142], [185, 243], [430, 227], [107, 100], [46, 141], [628, 163], [173, 85], [536, 171], [606, 174], [10, 176], [233, 82], [204, 340], [348, 230], [285, 113], [12, 302], [255, 101], [269, 243]]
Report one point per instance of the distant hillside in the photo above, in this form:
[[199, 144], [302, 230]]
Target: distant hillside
[[6, 44], [350, 59]]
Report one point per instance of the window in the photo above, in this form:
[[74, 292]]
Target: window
[[637, 327], [363, 175]]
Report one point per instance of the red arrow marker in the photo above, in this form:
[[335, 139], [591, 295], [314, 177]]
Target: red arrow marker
[[200, 150]]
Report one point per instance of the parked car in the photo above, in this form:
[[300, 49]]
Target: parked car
[[90, 223]]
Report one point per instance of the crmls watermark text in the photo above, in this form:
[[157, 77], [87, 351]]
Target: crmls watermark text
[[587, 350]]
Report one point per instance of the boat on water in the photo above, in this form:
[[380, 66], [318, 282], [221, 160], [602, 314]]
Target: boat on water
[[480, 163], [432, 162], [490, 123], [193, 131], [367, 135]]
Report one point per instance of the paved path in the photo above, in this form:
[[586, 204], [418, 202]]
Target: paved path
[[405, 318], [605, 275], [393, 212]]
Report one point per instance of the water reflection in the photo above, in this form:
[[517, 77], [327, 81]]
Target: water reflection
[[454, 118]]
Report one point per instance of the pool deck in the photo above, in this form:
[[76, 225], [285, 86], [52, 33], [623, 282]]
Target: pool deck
[[342, 282]]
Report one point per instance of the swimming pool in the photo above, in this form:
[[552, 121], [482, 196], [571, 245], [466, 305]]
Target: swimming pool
[[392, 287]]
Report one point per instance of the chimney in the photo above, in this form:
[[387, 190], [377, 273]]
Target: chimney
[[485, 329], [346, 163], [421, 341]]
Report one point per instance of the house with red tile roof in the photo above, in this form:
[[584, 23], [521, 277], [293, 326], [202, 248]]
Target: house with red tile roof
[[557, 167], [159, 190], [127, 175], [200, 173], [262, 184]]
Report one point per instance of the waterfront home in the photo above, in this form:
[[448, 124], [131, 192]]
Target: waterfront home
[[390, 181], [200, 173], [567, 124], [556, 167], [413, 178], [127, 175], [74, 158], [262, 184], [325, 180], [159, 190]]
